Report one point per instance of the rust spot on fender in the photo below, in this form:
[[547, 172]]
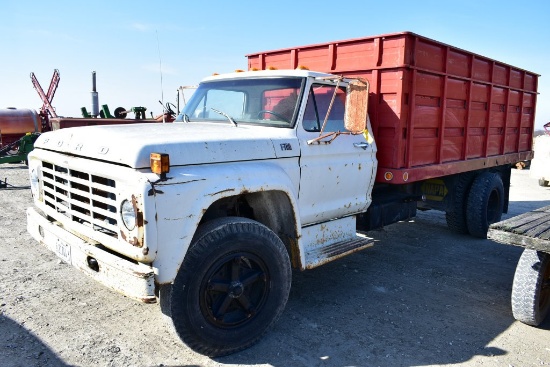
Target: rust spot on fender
[[135, 241], [132, 241], [139, 213], [294, 252]]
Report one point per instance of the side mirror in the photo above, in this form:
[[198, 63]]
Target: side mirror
[[357, 101]]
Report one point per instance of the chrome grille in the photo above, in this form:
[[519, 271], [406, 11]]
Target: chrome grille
[[82, 197]]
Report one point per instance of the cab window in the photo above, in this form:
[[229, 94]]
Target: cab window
[[317, 107]]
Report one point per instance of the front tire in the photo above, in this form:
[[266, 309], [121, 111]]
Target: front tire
[[231, 288], [485, 203], [531, 288]]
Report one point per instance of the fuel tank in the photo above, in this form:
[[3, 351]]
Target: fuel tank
[[16, 122]]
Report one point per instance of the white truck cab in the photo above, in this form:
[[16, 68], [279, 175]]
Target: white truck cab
[[261, 172]]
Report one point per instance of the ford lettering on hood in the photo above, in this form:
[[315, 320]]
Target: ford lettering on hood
[[186, 143]]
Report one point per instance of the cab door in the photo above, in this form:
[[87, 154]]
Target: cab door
[[337, 172]]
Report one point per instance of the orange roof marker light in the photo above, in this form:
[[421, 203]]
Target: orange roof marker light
[[239, 71], [302, 67], [271, 68]]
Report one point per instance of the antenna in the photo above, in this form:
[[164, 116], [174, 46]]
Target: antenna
[[160, 68]]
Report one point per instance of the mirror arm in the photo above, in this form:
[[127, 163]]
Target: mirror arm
[[334, 135], [330, 107]]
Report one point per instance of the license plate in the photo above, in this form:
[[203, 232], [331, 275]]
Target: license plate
[[63, 250]]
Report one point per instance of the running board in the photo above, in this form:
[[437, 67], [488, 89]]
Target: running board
[[332, 240]]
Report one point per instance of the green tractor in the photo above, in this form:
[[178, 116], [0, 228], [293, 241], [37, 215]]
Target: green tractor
[[18, 150]]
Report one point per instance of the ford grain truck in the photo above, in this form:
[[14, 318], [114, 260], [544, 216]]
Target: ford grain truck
[[281, 167]]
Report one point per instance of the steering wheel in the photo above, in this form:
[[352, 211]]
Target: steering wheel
[[167, 109], [274, 114]]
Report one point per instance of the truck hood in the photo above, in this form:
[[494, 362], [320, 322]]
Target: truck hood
[[186, 143]]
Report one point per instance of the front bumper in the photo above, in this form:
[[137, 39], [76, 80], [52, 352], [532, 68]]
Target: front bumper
[[135, 280]]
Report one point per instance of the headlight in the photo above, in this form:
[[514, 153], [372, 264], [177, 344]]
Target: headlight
[[128, 214], [34, 177]]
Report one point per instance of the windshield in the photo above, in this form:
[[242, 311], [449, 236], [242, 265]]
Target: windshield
[[261, 101]]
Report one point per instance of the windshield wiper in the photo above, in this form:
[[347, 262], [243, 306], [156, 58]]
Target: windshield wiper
[[225, 115]]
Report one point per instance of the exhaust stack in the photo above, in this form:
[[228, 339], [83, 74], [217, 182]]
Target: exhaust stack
[[95, 99]]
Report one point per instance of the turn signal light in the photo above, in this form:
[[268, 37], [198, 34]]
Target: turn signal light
[[160, 163]]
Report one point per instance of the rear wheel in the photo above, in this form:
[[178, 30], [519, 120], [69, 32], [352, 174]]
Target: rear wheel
[[485, 203], [455, 214], [531, 287], [231, 288]]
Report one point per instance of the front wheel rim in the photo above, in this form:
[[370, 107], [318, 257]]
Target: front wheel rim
[[234, 290]]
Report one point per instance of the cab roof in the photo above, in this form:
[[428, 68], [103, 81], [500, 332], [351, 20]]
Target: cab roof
[[268, 73]]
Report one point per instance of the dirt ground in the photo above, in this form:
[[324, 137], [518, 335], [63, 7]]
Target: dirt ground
[[422, 296]]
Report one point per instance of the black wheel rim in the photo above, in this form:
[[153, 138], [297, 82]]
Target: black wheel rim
[[234, 290], [493, 207]]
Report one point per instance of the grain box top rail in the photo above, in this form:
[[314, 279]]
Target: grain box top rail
[[409, 50]]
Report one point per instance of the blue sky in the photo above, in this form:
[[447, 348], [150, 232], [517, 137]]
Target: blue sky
[[121, 41]]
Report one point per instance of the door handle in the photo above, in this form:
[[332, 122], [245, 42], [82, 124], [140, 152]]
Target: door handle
[[363, 145]]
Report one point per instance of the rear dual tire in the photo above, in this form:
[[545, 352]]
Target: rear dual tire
[[485, 203], [477, 203], [456, 214]]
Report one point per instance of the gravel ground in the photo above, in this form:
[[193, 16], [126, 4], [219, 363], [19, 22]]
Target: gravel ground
[[422, 296]]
